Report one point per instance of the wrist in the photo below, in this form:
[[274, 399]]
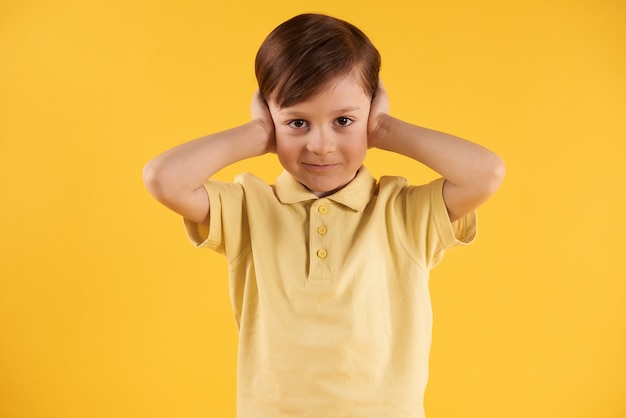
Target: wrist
[[263, 134], [378, 134]]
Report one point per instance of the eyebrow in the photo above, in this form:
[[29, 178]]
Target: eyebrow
[[298, 113]]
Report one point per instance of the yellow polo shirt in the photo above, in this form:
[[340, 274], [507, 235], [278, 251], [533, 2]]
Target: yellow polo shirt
[[331, 294]]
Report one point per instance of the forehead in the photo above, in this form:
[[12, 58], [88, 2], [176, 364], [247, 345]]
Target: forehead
[[340, 93]]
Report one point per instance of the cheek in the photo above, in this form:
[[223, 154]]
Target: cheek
[[286, 148], [282, 143], [358, 144], [359, 152]]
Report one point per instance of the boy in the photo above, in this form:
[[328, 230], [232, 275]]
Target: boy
[[328, 267]]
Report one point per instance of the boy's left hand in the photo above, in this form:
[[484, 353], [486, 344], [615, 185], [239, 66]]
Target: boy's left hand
[[378, 110]]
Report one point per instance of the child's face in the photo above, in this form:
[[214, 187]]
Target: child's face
[[322, 142]]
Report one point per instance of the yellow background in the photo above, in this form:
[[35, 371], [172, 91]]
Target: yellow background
[[107, 311]]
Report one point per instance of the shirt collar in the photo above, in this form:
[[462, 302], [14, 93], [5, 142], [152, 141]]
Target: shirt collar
[[354, 195]]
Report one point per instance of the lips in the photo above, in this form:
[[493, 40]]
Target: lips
[[319, 167]]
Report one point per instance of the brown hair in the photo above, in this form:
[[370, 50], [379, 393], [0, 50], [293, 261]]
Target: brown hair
[[301, 55]]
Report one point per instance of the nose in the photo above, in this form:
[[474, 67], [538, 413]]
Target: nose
[[321, 142]]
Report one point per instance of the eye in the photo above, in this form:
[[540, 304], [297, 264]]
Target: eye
[[298, 124], [343, 121]]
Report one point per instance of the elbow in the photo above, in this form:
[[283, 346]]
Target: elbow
[[154, 179], [495, 171]]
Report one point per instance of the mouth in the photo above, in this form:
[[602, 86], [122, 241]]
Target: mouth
[[319, 167]]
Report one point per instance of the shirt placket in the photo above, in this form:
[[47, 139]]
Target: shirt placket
[[319, 271]]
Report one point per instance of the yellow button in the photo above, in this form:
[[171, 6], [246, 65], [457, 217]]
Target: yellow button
[[321, 230], [322, 253], [323, 210]]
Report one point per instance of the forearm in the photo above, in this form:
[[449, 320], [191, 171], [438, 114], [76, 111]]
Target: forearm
[[473, 172], [175, 178], [459, 161]]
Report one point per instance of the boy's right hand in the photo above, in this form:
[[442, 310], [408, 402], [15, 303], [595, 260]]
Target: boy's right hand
[[176, 177], [261, 113]]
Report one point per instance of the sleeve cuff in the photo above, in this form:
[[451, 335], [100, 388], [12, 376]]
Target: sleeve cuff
[[461, 232], [207, 236]]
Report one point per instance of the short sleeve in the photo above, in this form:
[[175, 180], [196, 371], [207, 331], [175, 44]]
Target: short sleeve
[[429, 229], [226, 219]]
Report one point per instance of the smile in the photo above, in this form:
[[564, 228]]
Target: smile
[[319, 167]]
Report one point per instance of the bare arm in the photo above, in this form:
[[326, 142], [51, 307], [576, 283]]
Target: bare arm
[[176, 177], [472, 172]]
